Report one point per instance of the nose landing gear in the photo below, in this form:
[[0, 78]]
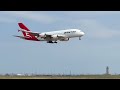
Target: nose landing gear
[[79, 38]]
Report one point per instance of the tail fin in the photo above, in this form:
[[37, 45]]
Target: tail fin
[[28, 35], [22, 26]]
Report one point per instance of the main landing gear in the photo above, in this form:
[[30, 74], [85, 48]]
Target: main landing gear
[[55, 42], [51, 42]]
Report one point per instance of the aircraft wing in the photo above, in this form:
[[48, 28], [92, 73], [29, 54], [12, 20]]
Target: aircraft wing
[[54, 36], [61, 36]]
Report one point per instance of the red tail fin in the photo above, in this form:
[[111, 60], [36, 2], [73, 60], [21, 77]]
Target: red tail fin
[[22, 26], [31, 37]]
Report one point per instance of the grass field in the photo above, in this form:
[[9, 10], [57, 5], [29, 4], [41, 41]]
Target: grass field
[[63, 77]]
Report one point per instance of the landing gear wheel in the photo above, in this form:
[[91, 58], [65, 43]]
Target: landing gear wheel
[[49, 42], [55, 42]]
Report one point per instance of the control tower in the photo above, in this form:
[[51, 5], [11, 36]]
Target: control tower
[[107, 70]]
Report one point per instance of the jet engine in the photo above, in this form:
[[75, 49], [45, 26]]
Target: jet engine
[[55, 37], [64, 39]]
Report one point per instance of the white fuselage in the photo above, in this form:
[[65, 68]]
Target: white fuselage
[[69, 33], [50, 37]]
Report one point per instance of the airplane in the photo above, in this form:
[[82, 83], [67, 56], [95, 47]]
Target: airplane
[[49, 37]]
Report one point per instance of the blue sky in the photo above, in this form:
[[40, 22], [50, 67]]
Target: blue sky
[[100, 47]]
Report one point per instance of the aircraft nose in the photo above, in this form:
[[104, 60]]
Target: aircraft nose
[[82, 33]]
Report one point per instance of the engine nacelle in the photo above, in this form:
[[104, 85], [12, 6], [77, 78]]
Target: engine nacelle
[[64, 39], [55, 37]]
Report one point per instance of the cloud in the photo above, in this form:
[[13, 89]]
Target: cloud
[[90, 13], [35, 16], [98, 30], [6, 20], [91, 26], [106, 34]]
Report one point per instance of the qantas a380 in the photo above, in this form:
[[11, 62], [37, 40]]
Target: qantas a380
[[49, 37]]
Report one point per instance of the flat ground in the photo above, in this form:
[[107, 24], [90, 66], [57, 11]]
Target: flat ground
[[63, 77]]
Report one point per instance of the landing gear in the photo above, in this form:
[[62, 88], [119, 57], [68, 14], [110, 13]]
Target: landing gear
[[55, 42], [79, 38], [51, 42]]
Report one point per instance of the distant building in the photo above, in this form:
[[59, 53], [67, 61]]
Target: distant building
[[19, 74]]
